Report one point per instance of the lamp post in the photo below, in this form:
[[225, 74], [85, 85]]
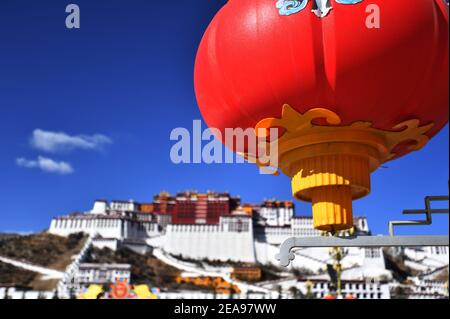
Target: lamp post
[[338, 253]]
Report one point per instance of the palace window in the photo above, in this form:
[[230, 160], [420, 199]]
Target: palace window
[[372, 253]]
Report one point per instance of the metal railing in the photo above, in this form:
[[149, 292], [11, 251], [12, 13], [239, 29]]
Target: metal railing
[[428, 212], [286, 254]]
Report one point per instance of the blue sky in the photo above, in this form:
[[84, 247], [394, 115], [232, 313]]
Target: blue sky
[[127, 76]]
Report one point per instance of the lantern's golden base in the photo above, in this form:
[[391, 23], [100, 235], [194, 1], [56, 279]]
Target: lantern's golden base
[[330, 165], [331, 182], [332, 208]]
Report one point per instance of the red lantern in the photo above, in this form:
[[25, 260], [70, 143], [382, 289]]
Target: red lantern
[[349, 95]]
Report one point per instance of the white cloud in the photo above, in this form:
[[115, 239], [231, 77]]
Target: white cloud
[[46, 164], [59, 141]]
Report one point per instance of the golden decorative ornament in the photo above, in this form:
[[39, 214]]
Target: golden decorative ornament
[[330, 165]]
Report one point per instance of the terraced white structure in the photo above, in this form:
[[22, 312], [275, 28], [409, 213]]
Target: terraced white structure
[[238, 237]]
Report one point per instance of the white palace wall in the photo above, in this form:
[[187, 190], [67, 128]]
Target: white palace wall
[[214, 242], [117, 228]]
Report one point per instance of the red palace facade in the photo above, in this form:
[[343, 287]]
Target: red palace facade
[[193, 207]]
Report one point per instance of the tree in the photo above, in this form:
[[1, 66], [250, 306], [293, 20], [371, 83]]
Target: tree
[[294, 292], [280, 291], [72, 293], [41, 296], [6, 294], [400, 293], [309, 292], [337, 253]]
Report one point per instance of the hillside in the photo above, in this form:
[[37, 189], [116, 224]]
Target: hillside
[[42, 249], [5, 236], [10, 275]]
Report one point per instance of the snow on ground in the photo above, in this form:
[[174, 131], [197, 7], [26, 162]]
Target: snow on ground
[[47, 273]]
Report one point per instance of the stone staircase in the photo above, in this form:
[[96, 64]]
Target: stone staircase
[[67, 284]]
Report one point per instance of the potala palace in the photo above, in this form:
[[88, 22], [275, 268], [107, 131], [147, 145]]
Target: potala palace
[[218, 227], [194, 226]]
